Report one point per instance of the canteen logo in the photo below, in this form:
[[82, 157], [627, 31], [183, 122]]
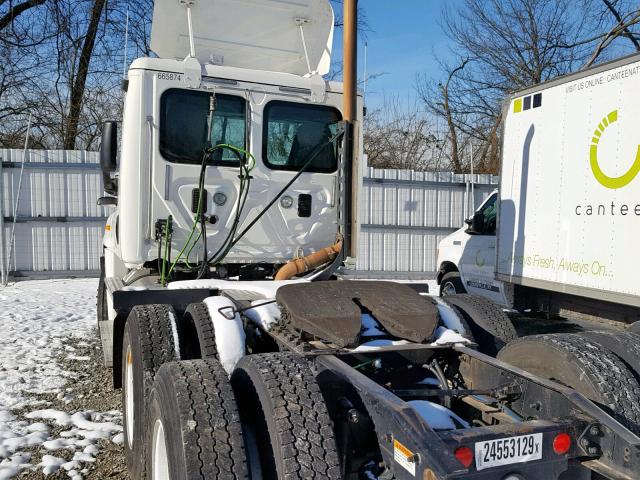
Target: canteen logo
[[601, 177]]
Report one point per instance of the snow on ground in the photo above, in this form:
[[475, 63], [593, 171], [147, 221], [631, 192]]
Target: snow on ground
[[36, 321]]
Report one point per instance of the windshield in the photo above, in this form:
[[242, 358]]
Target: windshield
[[490, 214]]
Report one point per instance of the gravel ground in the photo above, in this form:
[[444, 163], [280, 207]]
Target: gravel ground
[[92, 391]]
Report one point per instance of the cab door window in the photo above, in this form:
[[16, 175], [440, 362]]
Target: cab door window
[[293, 132], [184, 117]]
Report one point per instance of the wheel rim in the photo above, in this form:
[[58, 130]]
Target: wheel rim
[[448, 289], [128, 396], [160, 462]]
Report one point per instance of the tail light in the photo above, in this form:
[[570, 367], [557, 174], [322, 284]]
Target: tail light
[[464, 456], [561, 443]]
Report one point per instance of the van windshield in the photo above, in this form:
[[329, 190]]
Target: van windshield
[[183, 126], [490, 214]]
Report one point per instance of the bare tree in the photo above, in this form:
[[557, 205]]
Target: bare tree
[[76, 96], [397, 136], [621, 29], [508, 46], [445, 110]]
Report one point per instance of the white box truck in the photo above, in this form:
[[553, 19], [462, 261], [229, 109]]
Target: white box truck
[[569, 212]]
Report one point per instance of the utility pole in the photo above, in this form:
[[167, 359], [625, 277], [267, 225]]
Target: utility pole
[[350, 105]]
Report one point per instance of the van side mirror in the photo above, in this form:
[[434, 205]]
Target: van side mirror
[[477, 223], [107, 202], [109, 156]]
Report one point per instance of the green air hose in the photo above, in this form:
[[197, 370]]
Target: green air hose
[[193, 229], [167, 240], [245, 171]]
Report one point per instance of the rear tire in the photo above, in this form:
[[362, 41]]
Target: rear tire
[[451, 284], [583, 365], [490, 326], [625, 345], [148, 343], [281, 400], [198, 333], [194, 430]]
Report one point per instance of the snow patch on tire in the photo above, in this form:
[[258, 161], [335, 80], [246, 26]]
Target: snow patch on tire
[[229, 330]]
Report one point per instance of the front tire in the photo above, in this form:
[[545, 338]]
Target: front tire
[[193, 429], [451, 284], [148, 343]]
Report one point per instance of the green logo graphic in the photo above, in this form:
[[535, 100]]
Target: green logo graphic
[[479, 260], [603, 178]]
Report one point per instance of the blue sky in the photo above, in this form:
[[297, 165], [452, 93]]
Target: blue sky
[[406, 37]]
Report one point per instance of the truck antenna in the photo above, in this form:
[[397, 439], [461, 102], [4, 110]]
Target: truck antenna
[[364, 90], [126, 44]]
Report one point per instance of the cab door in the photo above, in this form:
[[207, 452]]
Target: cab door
[[478, 261]]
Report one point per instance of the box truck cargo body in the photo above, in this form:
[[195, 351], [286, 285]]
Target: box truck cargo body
[[569, 204]]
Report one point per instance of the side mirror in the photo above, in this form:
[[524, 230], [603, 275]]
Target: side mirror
[[109, 156], [107, 202], [477, 223]]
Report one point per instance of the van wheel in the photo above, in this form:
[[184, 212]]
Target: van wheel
[[147, 343], [193, 428], [585, 366], [281, 401], [491, 328], [451, 284], [199, 335]]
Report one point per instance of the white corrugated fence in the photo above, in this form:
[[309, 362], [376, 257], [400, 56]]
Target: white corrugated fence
[[404, 214], [59, 226]]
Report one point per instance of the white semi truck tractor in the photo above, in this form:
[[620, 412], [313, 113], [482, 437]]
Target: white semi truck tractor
[[241, 351], [559, 235]]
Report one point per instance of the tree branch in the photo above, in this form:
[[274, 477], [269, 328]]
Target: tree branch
[[627, 32], [17, 10]]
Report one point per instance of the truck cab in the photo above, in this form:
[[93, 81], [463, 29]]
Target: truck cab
[[467, 257], [230, 145]]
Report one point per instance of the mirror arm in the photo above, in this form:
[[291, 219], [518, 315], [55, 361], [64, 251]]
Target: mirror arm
[[110, 185]]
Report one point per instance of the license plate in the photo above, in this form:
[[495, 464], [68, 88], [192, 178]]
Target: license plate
[[505, 451]]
